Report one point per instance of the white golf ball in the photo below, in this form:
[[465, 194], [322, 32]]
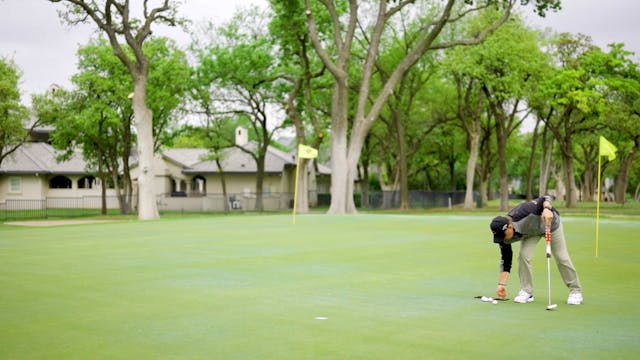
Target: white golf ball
[[495, 302]]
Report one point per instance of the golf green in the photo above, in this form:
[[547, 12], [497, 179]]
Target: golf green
[[366, 286]]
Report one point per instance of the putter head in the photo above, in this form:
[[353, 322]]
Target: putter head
[[551, 307]]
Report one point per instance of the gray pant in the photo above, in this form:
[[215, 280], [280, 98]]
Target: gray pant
[[560, 255]]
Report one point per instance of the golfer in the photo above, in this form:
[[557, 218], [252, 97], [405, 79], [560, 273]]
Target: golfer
[[526, 223]]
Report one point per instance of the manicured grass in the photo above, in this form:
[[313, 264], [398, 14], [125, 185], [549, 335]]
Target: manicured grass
[[370, 286]]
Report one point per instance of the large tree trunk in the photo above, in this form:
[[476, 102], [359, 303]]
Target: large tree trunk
[[545, 161], [103, 188], [345, 155], [501, 140], [529, 194], [560, 186], [260, 182], [569, 178], [588, 185], [402, 160], [101, 172], [622, 180], [484, 191], [302, 197], [341, 192], [389, 188], [474, 145], [143, 120], [473, 126], [364, 184], [223, 183]]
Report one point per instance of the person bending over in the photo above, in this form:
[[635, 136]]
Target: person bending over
[[525, 223]]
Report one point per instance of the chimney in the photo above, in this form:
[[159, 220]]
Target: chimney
[[242, 136]]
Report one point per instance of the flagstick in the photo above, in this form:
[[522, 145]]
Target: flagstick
[[295, 193], [598, 205]]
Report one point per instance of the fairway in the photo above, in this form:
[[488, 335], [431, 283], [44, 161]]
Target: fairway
[[367, 286]]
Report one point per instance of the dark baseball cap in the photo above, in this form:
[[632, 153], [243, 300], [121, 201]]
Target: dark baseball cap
[[498, 226]]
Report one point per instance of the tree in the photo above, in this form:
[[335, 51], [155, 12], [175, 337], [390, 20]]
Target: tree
[[516, 65], [408, 116], [242, 69], [624, 116], [304, 93], [577, 93], [12, 113], [470, 110], [336, 50], [470, 106], [115, 19], [99, 105], [505, 67]]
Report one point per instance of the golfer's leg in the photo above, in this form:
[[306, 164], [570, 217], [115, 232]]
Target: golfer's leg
[[527, 248], [563, 261]]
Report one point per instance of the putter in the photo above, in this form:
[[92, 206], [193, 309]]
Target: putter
[[547, 238]]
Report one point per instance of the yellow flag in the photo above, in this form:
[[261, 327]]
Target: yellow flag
[[307, 152], [607, 149]]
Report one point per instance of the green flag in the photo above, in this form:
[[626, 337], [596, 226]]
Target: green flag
[[607, 149]]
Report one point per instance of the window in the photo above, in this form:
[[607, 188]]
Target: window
[[199, 185], [86, 182], [60, 182], [15, 185]]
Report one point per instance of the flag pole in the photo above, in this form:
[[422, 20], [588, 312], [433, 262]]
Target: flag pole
[[605, 148], [598, 205], [304, 152]]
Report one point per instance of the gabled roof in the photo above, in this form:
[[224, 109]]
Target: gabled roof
[[185, 157], [38, 157], [233, 160], [41, 158]]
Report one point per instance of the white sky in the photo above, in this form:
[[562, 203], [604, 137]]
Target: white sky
[[45, 50], [32, 34]]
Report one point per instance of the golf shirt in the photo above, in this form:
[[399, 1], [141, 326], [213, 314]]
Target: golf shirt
[[526, 223]]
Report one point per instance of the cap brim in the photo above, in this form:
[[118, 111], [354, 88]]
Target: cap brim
[[498, 239]]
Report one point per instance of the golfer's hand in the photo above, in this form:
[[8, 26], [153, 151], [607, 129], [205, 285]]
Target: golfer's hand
[[501, 291], [547, 216]]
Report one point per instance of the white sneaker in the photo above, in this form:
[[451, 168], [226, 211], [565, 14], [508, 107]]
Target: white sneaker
[[523, 297], [575, 298]]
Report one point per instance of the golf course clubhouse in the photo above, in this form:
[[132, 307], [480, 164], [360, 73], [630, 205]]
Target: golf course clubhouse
[[186, 179]]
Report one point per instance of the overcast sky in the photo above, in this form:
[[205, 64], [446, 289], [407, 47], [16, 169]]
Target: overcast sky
[[45, 50]]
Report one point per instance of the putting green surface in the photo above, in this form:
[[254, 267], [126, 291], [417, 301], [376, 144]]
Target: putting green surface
[[328, 287]]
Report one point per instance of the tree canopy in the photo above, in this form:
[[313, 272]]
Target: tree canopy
[[13, 114]]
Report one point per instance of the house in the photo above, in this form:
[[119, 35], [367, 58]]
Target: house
[[32, 172], [186, 179]]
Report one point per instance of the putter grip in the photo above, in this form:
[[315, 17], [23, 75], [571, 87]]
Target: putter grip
[[547, 238], [548, 250]]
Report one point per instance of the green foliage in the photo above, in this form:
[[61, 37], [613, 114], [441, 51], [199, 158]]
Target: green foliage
[[13, 114], [103, 88], [519, 150], [189, 137], [237, 78]]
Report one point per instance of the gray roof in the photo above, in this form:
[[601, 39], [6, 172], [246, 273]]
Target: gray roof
[[233, 160], [185, 157], [38, 157], [41, 158]]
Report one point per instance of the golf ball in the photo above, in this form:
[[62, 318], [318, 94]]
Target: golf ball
[[495, 302]]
